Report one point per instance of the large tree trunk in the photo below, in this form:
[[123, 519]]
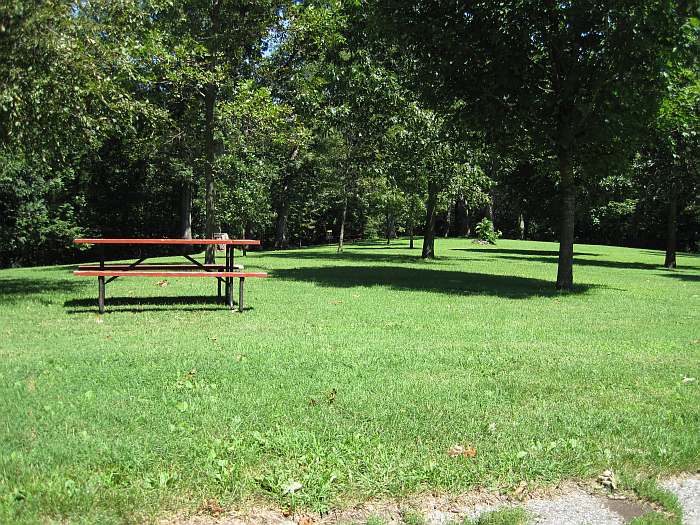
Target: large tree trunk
[[343, 215], [410, 236], [185, 230], [567, 189], [429, 229], [671, 230], [281, 240]]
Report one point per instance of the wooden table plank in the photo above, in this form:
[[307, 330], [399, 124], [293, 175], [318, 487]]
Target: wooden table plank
[[236, 242]]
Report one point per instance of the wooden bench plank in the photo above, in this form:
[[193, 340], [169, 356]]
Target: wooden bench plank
[[139, 273]]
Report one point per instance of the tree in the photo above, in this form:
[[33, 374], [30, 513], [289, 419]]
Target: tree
[[227, 36], [571, 75], [671, 160], [426, 155]]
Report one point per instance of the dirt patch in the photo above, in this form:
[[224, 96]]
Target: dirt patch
[[436, 508], [628, 509]]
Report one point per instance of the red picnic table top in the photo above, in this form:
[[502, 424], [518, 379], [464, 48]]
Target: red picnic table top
[[237, 242]]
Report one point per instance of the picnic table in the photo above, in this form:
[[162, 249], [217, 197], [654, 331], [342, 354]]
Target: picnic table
[[224, 273]]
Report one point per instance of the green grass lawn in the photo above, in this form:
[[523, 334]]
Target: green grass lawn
[[352, 374]]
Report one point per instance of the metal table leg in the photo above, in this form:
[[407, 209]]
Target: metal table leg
[[101, 283], [241, 283], [229, 280]]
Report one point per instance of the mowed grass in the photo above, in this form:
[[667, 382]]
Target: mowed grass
[[352, 374]]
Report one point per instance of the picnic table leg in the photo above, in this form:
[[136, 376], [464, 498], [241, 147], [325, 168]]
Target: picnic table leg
[[229, 281], [101, 283], [241, 282], [101, 294]]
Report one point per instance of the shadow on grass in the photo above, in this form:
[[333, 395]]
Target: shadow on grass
[[690, 277], [14, 290], [198, 303], [553, 258], [427, 280], [360, 256], [511, 251]]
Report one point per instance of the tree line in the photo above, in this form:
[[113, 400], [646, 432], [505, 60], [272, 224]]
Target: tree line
[[303, 122]]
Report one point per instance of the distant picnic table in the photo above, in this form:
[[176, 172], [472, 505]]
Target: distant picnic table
[[224, 273]]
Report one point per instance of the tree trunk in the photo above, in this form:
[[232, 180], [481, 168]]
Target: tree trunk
[[341, 236], [461, 218], [429, 229], [185, 231], [521, 226], [390, 226], [248, 231], [671, 231], [565, 271], [209, 147], [281, 240], [210, 93], [448, 221], [410, 236]]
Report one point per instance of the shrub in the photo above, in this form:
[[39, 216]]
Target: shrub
[[485, 232]]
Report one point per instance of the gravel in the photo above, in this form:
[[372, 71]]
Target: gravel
[[687, 490], [576, 508]]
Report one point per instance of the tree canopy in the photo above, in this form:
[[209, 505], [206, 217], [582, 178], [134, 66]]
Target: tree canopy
[[317, 121]]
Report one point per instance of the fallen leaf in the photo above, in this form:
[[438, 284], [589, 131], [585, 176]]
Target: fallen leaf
[[306, 520], [291, 487], [687, 380], [211, 507], [313, 402], [336, 302], [492, 427], [240, 357], [99, 320], [162, 283], [455, 450], [460, 450], [214, 338], [520, 490]]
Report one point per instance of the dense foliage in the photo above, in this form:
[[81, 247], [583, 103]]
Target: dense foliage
[[316, 121]]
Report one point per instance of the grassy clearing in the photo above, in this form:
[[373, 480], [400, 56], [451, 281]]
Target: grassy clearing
[[352, 374]]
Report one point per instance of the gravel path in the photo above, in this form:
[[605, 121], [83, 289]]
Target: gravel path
[[687, 490]]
